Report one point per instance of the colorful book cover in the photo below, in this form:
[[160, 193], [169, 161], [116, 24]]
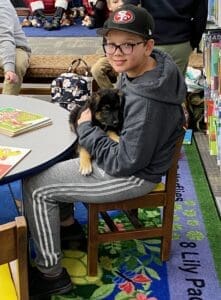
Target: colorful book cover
[[211, 11], [9, 157], [212, 135], [14, 121], [215, 48]]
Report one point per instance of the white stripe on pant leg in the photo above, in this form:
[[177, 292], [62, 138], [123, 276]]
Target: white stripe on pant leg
[[94, 184], [51, 249], [38, 229], [42, 235], [84, 191], [70, 191], [92, 187]]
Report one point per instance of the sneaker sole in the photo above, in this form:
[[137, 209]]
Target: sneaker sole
[[58, 291]]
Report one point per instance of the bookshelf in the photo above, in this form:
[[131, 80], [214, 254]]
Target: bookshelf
[[211, 48], [212, 90]]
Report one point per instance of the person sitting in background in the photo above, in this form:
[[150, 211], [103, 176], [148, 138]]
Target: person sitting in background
[[40, 7], [179, 27], [14, 49]]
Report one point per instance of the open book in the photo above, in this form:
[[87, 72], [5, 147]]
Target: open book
[[9, 157], [14, 121]]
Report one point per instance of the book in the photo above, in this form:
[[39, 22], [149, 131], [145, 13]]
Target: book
[[187, 140], [15, 121], [9, 157]]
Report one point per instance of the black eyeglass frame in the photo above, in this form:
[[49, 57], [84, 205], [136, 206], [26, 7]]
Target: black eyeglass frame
[[132, 45]]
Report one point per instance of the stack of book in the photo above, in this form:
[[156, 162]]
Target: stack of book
[[14, 121]]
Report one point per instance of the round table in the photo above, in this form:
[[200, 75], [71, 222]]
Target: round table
[[48, 144]]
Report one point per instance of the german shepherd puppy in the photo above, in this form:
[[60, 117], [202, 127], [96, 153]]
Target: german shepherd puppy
[[105, 105]]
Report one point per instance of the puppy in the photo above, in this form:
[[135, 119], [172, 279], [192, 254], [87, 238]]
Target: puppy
[[105, 105]]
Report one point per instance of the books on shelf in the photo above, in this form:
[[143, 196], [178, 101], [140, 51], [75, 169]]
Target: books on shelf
[[15, 121], [9, 157]]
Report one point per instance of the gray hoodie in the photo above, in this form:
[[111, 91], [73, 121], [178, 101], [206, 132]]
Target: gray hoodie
[[153, 119], [11, 35]]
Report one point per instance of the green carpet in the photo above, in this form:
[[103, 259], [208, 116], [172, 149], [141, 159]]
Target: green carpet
[[210, 215]]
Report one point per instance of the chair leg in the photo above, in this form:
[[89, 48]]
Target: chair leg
[[168, 213], [92, 255]]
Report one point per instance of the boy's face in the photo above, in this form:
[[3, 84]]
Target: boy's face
[[134, 62]]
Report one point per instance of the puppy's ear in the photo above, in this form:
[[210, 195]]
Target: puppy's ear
[[119, 93], [94, 101], [73, 116]]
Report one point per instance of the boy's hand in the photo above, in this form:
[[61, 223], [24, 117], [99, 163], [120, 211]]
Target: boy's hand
[[85, 116]]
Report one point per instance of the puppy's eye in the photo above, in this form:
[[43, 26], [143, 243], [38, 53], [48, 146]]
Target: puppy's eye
[[106, 107]]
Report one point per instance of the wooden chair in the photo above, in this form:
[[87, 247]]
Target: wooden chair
[[161, 197], [13, 256]]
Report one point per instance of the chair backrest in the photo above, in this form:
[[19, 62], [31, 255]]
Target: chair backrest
[[13, 241], [171, 173]]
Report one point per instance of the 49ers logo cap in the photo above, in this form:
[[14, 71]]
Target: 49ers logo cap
[[129, 18], [123, 16]]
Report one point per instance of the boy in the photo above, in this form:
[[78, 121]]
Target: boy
[[152, 121], [102, 72]]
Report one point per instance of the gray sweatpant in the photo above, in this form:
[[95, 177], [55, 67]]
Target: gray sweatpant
[[64, 183]]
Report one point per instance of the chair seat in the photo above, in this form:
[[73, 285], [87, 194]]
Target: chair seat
[[7, 288], [159, 187]]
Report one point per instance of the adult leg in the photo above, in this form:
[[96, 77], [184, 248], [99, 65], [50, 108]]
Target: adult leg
[[61, 6], [180, 54], [37, 8], [21, 66]]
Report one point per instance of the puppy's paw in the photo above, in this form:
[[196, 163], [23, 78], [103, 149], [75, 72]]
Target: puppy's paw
[[85, 162], [112, 135], [85, 168]]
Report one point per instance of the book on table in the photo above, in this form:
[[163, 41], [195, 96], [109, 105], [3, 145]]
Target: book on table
[[15, 121], [9, 157]]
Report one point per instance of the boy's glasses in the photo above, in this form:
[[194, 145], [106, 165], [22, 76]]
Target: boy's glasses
[[125, 48]]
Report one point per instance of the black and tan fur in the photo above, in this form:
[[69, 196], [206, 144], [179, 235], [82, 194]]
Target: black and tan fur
[[105, 105]]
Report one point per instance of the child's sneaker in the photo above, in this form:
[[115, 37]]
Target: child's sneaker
[[40, 285]]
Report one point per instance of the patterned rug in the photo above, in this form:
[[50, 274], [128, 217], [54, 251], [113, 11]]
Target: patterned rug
[[133, 270]]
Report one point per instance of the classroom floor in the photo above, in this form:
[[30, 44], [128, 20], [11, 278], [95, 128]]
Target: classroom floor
[[86, 45]]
